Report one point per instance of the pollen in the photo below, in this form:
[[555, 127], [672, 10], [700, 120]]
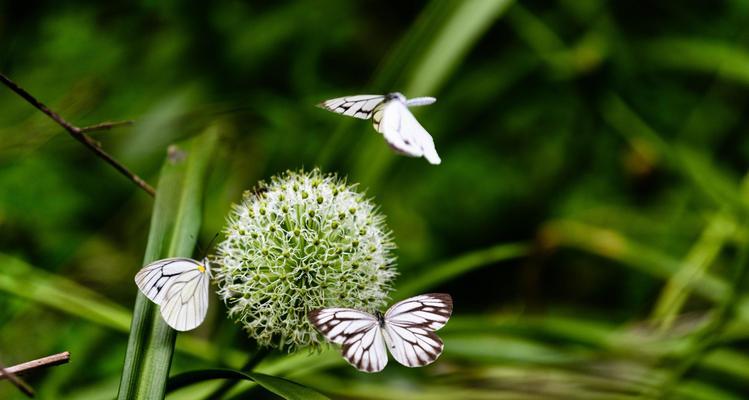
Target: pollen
[[201, 268]]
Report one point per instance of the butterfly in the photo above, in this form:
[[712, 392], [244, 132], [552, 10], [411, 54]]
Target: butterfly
[[407, 329], [391, 117], [180, 287]]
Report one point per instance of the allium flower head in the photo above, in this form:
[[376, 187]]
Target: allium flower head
[[304, 241]]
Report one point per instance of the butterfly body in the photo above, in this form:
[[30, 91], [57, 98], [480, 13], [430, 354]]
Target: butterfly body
[[407, 329], [391, 117], [380, 319], [180, 286]]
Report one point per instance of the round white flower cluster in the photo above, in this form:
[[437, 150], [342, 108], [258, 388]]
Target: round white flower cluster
[[304, 241]]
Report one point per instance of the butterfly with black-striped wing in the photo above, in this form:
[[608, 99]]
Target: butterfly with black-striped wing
[[180, 287], [407, 329], [391, 118]]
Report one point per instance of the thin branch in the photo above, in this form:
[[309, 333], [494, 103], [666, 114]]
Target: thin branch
[[105, 126], [79, 134], [18, 382], [30, 366]]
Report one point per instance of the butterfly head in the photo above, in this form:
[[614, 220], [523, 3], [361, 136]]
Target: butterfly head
[[205, 266], [395, 96]]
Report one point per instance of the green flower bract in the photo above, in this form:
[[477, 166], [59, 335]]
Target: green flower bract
[[304, 241]]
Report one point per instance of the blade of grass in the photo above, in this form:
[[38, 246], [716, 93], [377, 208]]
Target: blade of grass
[[610, 244], [729, 60], [467, 262], [174, 230], [283, 387], [695, 265], [713, 183], [708, 337], [22, 280]]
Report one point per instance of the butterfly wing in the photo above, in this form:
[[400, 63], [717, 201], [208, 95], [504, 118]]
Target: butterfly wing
[[186, 301], [410, 325], [365, 350], [338, 324], [420, 101], [430, 310], [358, 332], [180, 286], [154, 279], [359, 106], [403, 132]]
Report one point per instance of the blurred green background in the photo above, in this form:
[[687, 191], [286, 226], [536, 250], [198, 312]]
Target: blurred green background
[[589, 217]]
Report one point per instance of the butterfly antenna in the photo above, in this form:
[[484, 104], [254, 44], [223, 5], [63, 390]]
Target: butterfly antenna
[[207, 249]]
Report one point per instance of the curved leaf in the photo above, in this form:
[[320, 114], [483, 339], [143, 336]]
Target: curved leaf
[[284, 388]]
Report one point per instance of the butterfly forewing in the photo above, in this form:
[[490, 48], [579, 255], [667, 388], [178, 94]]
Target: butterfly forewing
[[403, 132], [155, 278], [430, 311], [359, 106], [420, 101], [339, 324]]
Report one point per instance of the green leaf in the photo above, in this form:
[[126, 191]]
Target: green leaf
[[36, 285], [282, 387], [460, 265], [174, 229], [728, 59]]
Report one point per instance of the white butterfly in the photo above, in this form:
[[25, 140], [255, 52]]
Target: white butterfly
[[407, 328], [180, 287], [392, 118]]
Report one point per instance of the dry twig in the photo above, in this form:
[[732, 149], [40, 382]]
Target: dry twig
[[18, 382], [79, 134], [29, 366]]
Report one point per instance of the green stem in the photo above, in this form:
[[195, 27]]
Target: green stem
[[174, 228]]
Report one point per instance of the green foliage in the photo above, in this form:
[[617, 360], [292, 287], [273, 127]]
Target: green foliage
[[283, 387], [589, 215], [174, 227]]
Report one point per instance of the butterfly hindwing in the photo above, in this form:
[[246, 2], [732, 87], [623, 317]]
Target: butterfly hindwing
[[403, 132], [338, 324], [359, 106], [357, 331], [365, 349], [186, 302], [412, 345]]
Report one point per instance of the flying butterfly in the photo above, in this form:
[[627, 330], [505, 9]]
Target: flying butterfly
[[407, 329], [392, 118], [180, 287]]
